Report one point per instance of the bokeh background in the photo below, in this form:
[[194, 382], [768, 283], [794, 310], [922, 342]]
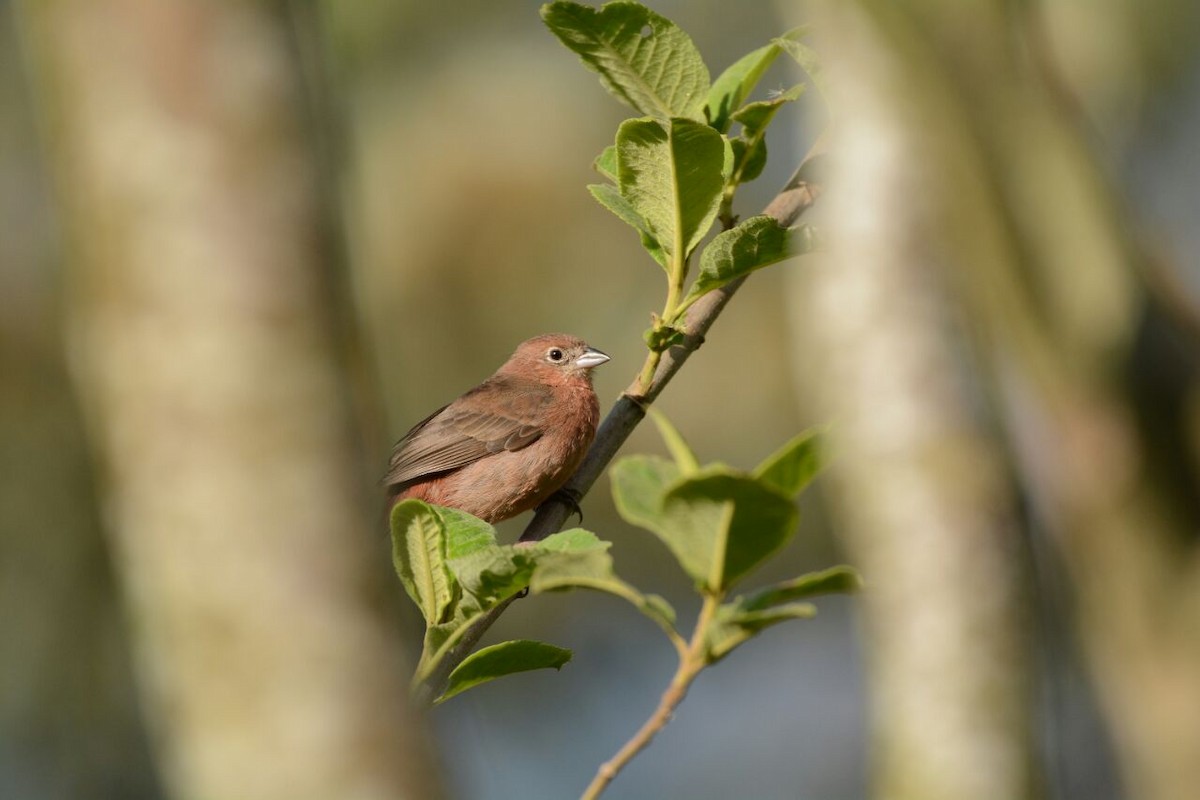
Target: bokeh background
[[246, 245]]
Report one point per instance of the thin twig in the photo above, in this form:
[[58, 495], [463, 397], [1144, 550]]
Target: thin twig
[[690, 665], [796, 197]]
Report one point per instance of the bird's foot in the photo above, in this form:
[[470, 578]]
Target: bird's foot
[[571, 498]]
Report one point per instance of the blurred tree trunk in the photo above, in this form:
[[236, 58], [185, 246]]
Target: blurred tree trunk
[[917, 479], [965, 195], [203, 346]]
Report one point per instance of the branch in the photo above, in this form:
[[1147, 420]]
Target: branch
[[796, 197]]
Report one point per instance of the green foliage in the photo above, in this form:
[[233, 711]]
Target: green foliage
[[673, 174], [643, 59], [670, 174], [456, 572], [676, 170], [506, 658], [755, 243], [737, 82], [718, 522]]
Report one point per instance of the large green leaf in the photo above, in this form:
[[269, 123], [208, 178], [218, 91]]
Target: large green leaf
[[419, 555], [610, 197], [672, 173], [718, 523], [793, 466], [591, 567], [494, 573], [465, 534], [753, 244], [498, 660], [721, 524], [638, 486], [642, 58]]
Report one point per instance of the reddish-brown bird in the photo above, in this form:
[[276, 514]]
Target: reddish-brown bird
[[509, 443]]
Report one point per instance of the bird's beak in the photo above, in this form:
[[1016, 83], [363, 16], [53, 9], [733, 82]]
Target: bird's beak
[[591, 358]]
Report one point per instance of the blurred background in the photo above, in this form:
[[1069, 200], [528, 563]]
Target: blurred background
[[247, 245]]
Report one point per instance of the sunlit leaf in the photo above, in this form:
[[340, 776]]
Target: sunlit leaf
[[419, 556], [672, 173], [793, 466], [498, 660], [754, 243]]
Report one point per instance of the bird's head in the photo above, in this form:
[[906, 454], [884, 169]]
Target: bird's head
[[555, 357]]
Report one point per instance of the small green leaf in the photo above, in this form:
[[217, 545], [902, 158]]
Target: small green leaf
[[498, 660], [808, 60], [685, 459], [609, 197], [673, 173], [753, 244], [793, 466], [606, 163], [419, 555], [748, 159], [755, 117], [835, 580], [643, 59], [662, 337], [735, 84], [733, 625]]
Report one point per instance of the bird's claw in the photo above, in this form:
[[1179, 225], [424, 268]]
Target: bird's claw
[[571, 498]]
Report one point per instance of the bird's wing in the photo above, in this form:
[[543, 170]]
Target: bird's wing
[[491, 418]]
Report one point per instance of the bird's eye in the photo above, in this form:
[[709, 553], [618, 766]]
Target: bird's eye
[[555, 354]]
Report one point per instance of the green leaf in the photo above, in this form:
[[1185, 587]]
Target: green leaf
[[465, 534], [573, 540], [718, 523], [793, 466], [419, 555], [808, 60], [733, 625], [754, 243], [721, 524], [685, 459], [592, 568], [643, 59], [498, 660], [748, 159], [750, 149], [735, 84], [609, 197], [606, 163], [755, 117], [835, 580], [638, 486], [493, 575], [673, 174]]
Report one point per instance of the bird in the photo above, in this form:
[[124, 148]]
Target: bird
[[507, 445]]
